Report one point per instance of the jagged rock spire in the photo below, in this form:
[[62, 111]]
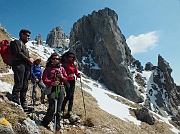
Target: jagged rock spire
[[103, 52]]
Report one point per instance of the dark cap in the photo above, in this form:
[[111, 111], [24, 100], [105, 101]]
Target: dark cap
[[24, 31]]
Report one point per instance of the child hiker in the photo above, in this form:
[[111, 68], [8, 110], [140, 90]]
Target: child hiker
[[36, 79], [54, 76]]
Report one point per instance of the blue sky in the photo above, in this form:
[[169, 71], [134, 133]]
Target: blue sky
[[151, 27]]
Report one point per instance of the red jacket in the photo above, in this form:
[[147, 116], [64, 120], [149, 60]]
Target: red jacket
[[49, 75], [71, 70]]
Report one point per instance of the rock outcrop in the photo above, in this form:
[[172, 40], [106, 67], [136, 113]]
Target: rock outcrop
[[101, 49], [39, 39], [149, 66], [144, 115], [57, 38], [3, 33], [172, 91]]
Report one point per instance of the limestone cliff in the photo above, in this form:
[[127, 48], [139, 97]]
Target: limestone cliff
[[103, 53]]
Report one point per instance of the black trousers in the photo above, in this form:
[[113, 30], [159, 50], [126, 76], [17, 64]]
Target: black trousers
[[21, 77], [70, 88], [51, 109]]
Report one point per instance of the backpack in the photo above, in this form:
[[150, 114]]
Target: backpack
[[5, 52]]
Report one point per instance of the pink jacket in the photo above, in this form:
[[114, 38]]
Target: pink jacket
[[71, 70]]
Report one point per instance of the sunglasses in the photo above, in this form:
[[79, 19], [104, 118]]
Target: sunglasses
[[28, 35], [71, 56], [55, 58]]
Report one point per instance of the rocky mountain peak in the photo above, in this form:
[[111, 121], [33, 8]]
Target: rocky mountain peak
[[57, 38], [39, 39], [172, 91], [103, 52]]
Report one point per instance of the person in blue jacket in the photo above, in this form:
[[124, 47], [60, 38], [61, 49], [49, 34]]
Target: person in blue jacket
[[36, 73]]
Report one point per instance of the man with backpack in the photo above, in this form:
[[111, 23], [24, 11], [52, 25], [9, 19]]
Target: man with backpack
[[21, 66]]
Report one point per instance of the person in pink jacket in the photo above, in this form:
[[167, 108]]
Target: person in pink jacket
[[72, 70], [54, 76]]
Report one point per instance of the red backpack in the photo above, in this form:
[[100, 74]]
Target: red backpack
[[5, 52]]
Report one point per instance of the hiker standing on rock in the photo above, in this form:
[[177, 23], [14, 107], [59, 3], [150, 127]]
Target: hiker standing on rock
[[54, 76], [71, 69], [21, 66], [36, 79]]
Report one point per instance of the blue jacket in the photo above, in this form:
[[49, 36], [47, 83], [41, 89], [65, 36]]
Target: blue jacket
[[36, 71]]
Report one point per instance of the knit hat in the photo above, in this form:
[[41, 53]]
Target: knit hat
[[38, 59]]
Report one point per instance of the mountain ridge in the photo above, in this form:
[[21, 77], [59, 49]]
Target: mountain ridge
[[139, 79]]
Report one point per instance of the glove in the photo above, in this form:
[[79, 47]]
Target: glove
[[78, 75]]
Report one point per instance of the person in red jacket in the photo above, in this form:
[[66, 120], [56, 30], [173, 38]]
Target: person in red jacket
[[54, 75], [71, 69]]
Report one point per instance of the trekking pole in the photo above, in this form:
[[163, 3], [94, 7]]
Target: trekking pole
[[83, 98], [63, 91], [56, 102]]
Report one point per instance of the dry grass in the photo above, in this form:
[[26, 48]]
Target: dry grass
[[100, 121], [11, 112]]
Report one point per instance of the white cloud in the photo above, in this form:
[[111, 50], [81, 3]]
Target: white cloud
[[177, 83], [142, 42]]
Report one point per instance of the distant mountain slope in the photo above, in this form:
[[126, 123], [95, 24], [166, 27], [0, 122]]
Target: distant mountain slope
[[3, 33]]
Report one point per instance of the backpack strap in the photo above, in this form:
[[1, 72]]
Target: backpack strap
[[66, 63], [12, 43], [48, 70]]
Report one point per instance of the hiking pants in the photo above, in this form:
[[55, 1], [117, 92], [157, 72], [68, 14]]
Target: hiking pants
[[41, 86], [51, 109], [21, 76], [70, 87]]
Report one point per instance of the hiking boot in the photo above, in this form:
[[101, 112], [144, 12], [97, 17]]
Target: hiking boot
[[16, 100], [26, 108], [24, 105]]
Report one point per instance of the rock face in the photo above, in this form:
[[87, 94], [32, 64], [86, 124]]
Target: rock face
[[39, 39], [57, 38], [144, 115], [101, 49], [149, 66], [172, 91], [163, 96]]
